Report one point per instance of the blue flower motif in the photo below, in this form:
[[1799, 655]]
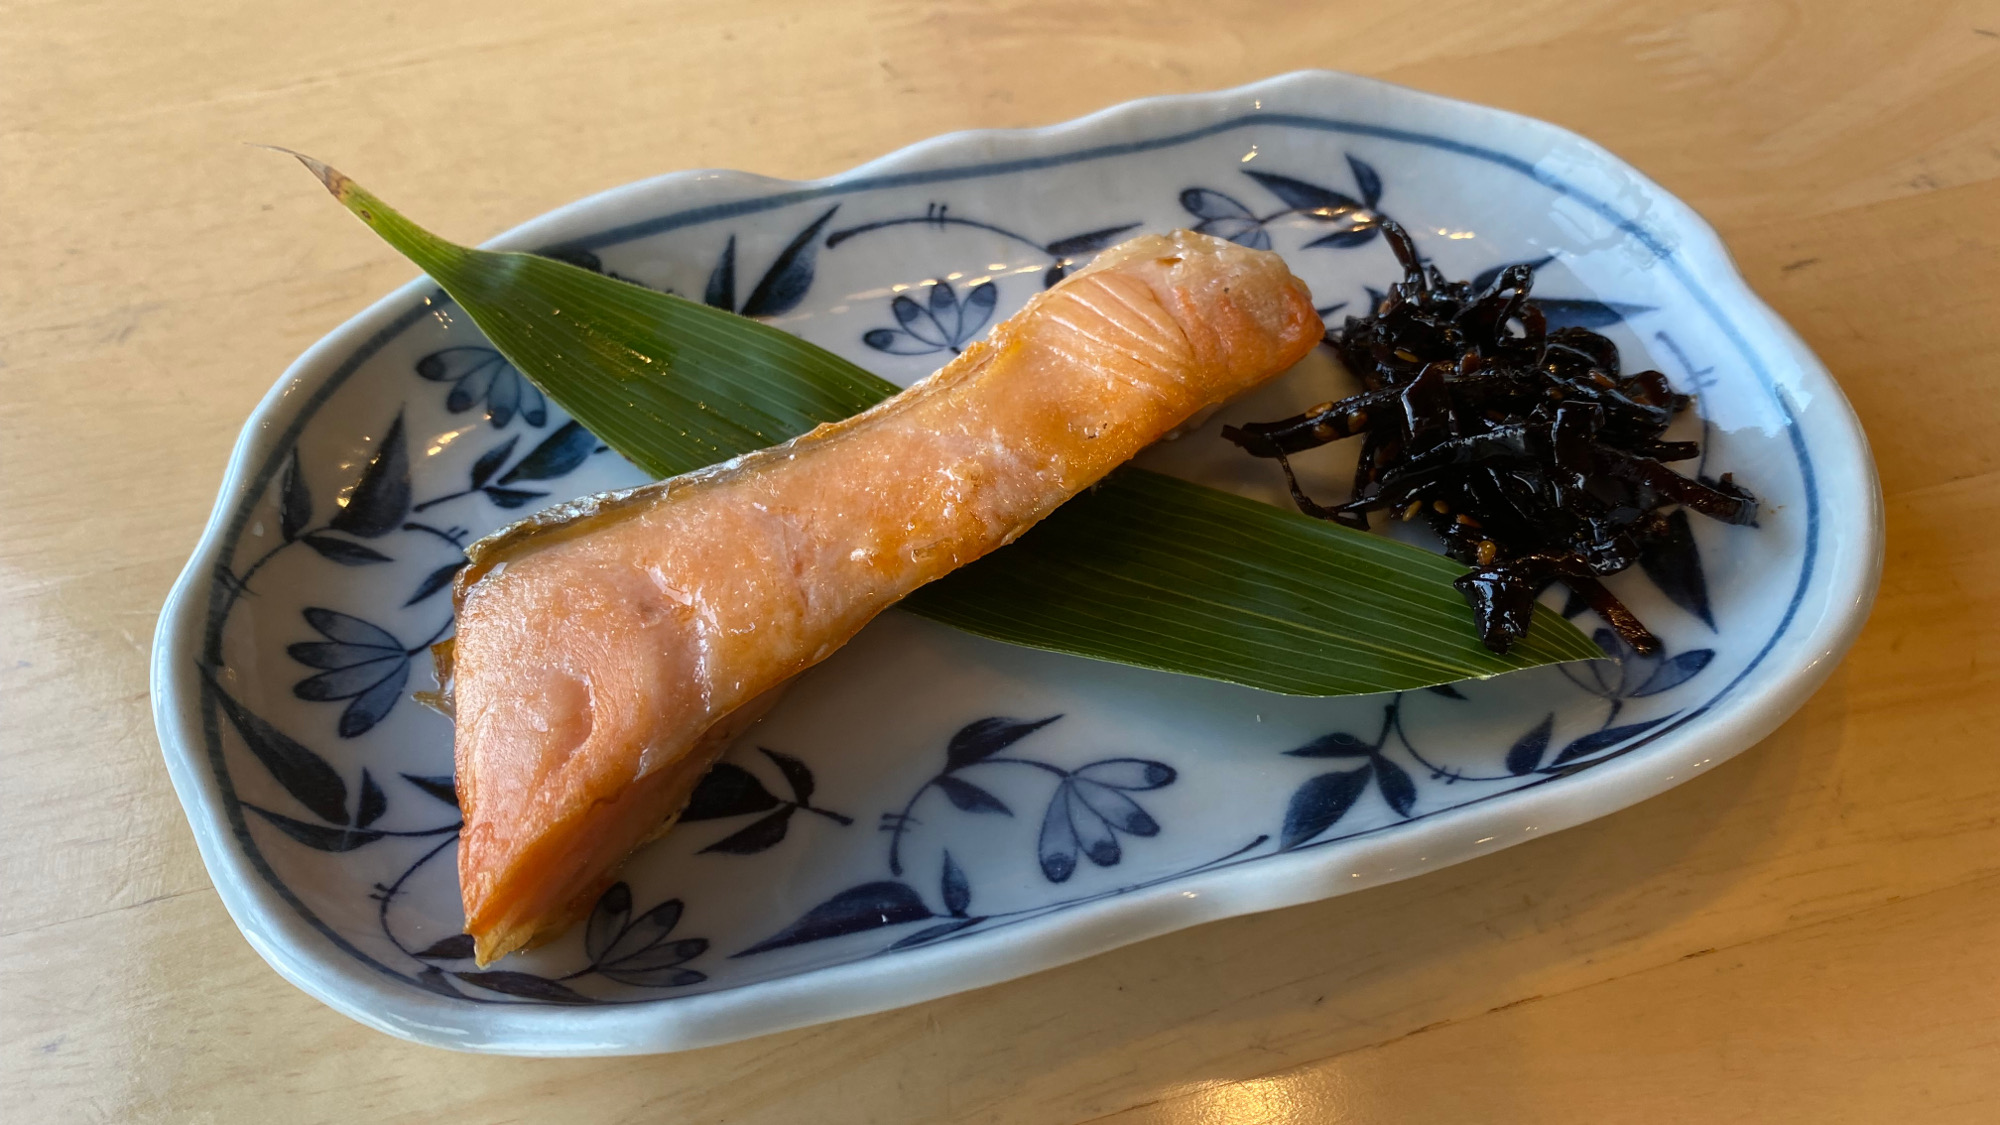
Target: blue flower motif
[[941, 323], [1090, 808], [479, 374], [634, 951], [364, 663], [637, 951], [1226, 217]]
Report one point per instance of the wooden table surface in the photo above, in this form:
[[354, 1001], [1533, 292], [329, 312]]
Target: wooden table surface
[[1809, 933]]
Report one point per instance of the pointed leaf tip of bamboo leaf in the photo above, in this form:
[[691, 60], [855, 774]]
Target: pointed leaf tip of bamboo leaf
[[336, 181]]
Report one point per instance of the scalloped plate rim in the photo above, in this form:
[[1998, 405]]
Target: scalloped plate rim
[[299, 953]]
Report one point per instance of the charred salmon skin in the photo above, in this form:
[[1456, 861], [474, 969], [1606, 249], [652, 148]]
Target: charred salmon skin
[[609, 650]]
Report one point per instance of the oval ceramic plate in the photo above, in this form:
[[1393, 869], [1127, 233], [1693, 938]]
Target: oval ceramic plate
[[929, 812]]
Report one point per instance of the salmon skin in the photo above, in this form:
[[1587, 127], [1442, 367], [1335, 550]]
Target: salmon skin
[[607, 651]]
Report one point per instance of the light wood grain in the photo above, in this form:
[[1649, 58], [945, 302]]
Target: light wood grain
[[1811, 932]]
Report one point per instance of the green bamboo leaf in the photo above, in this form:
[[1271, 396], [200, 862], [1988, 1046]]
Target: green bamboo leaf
[[672, 385], [1145, 569], [1151, 570]]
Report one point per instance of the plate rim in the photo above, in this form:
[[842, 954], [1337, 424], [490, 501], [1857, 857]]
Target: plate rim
[[271, 918]]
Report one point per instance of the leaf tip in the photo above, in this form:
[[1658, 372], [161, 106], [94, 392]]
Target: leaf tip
[[335, 180]]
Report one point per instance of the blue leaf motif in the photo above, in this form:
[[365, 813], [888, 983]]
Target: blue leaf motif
[[490, 461], [1367, 179], [1310, 199], [511, 498], [528, 986], [1673, 562], [1604, 739], [1088, 242], [728, 790], [720, 292], [967, 797], [1675, 671], [444, 788], [1358, 235], [1527, 751], [869, 906], [1634, 674], [1396, 786], [1320, 803], [341, 551], [381, 497], [457, 947], [796, 773], [299, 771], [372, 803], [761, 835], [954, 889], [784, 285], [557, 455], [295, 506], [433, 979], [434, 581], [1574, 312], [318, 837], [979, 740]]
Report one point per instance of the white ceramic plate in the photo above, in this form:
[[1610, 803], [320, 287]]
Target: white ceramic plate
[[928, 812]]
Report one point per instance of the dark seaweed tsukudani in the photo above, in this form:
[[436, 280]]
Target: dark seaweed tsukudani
[[1526, 449]]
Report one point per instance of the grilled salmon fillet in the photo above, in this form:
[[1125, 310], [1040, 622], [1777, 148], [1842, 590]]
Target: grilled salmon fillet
[[609, 650]]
